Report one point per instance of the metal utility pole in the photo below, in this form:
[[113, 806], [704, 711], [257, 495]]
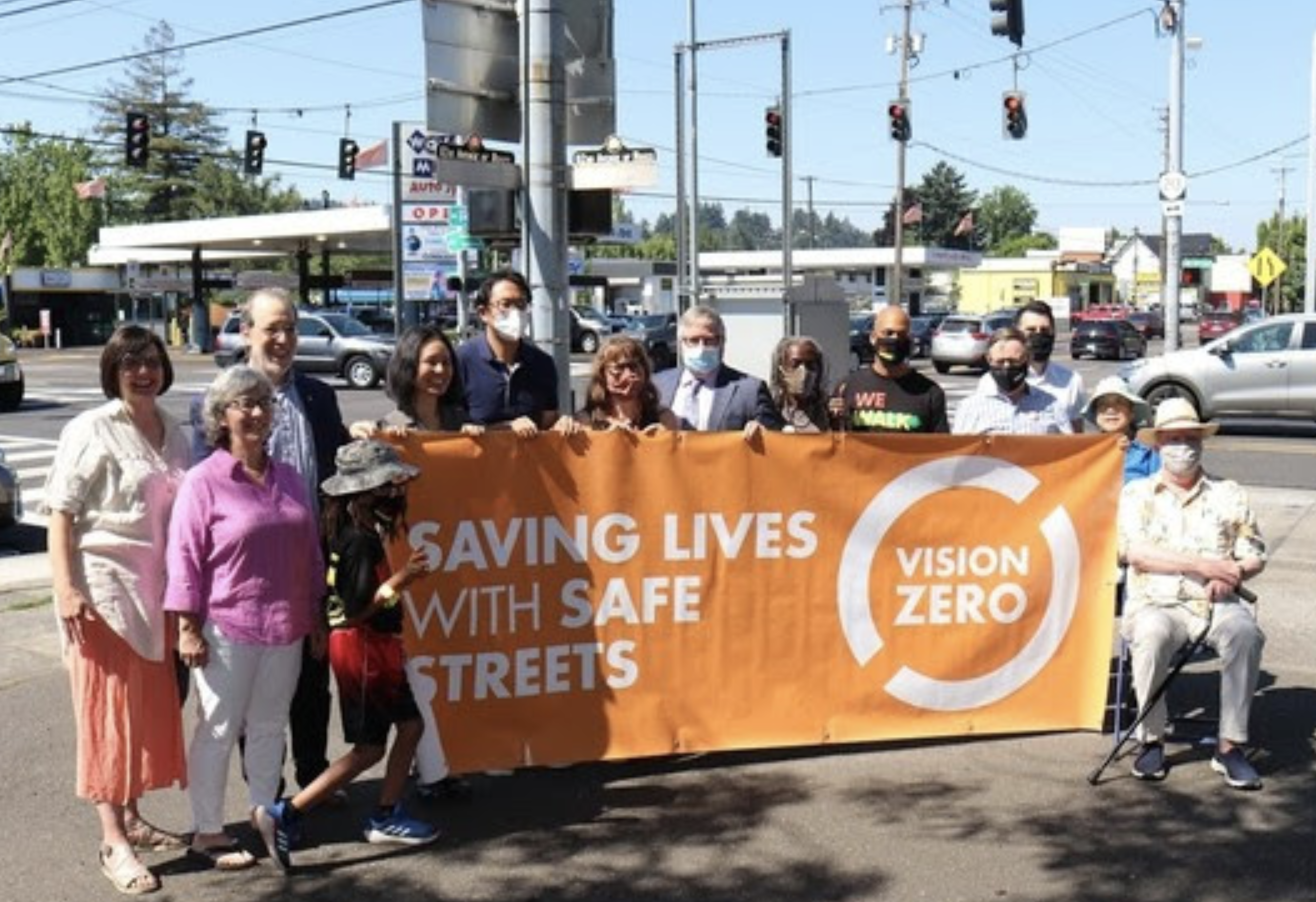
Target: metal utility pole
[[1278, 304], [683, 294], [787, 181], [895, 288], [1172, 17], [544, 146], [693, 212], [813, 232], [1309, 281]]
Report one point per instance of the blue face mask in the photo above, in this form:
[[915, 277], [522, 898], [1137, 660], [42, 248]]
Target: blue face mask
[[702, 359]]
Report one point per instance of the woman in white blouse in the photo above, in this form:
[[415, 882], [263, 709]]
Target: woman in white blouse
[[109, 495]]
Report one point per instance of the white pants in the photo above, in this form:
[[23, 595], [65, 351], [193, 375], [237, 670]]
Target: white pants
[[243, 689], [1154, 633], [431, 762]]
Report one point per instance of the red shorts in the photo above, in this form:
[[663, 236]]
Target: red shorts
[[373, 693]]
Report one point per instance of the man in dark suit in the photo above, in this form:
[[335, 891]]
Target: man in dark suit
[[704, 392], [308, 429]]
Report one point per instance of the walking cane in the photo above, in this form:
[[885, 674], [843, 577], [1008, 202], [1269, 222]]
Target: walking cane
[[1155, 696]]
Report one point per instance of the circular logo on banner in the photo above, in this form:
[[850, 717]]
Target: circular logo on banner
[[887, 507]]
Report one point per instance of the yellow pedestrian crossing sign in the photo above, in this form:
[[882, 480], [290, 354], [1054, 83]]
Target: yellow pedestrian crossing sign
[[1266, 266]]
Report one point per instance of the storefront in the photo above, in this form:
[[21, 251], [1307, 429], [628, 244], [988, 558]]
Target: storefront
[[79, 305]]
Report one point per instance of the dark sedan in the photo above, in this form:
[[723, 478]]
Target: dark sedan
[[1149, 322], [1109, 339]]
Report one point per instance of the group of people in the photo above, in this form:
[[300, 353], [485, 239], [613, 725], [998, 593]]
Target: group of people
[[250, 562]]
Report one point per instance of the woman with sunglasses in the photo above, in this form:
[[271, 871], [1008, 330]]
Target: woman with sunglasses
[[109, 495], [621, 393]]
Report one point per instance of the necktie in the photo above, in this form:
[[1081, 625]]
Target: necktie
[[691, 412]]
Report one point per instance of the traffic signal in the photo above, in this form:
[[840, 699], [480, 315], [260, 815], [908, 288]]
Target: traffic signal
[[137, 140], [253, 157], [347, 151], [1009, 20], [773, 126], [1014, 117], [898, 112]]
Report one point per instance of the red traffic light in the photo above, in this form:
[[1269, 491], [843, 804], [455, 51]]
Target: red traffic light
[[1014, 116], [774, 130], [137, 139], [897, 112]]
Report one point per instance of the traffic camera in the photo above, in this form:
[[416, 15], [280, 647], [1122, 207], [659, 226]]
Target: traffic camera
[[347, 151], [773, 125], [898, 113], [1014, 116], [137, 140], [1009, 20], [253, 158]]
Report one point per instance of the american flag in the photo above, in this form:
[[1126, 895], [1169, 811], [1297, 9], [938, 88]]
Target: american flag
[[965, 225], [913, 214], [373, 157]]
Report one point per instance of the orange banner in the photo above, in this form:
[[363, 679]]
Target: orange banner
[[617, 596]]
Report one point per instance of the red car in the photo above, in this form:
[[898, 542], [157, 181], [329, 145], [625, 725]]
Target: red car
[[1212, 325]]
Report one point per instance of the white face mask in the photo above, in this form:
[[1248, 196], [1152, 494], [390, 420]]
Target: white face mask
[[1182, 458], [511, 324]]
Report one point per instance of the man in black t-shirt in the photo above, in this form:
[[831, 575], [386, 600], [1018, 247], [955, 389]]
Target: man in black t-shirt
[[889, 396]]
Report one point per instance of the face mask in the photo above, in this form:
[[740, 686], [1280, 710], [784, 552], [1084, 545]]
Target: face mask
[[894, 349], [702, 359], [1040, 345], [510, 324], [1182, 458], [799, 381], [1009, 378]]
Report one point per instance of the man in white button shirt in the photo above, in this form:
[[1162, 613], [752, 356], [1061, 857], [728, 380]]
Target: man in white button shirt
[[705, 393], [1038, 324]]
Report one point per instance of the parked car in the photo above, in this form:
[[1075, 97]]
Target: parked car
[[11, 375], [11, 495], [1149, 322], [332, 343], [1107, 339], [1101, 312], [588, 329], [861, 340], [657, 332], [921, 329], [1267, 368], [1213, 325], [961, 339]]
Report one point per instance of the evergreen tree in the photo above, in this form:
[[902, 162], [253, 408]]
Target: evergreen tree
[[945, 199]]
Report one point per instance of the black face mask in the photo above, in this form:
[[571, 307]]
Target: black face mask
[[1040, 345], [1009, 378], [893, 349], [390, 510]]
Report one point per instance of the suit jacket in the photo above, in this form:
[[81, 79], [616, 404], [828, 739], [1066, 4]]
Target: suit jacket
[[737, 398]]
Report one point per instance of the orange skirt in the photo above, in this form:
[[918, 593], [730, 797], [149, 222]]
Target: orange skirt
[[130, 729]]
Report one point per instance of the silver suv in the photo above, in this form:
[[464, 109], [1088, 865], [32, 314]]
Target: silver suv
[[332, 343], [961, 339], [1264, 369]]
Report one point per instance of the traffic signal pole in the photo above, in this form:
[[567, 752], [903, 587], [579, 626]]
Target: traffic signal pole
[[895, 286], [1174, 223]]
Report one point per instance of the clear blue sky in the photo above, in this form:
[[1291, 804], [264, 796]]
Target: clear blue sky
[[1096, 76]]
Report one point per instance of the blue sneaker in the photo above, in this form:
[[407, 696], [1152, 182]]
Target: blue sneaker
[[398, 829], [272, 822], [1237, 770], [1150, 762]]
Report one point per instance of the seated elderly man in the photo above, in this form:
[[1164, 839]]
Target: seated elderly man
[[1190, 541]]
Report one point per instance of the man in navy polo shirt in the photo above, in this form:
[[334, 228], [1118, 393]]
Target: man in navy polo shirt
[[509, 383]]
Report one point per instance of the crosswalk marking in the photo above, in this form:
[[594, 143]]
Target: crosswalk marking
[[31, 479]]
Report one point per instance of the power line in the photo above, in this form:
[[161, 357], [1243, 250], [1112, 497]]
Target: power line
[[36, 7], [206, 42]]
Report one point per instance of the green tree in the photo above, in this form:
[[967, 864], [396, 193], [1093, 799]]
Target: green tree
[[1290, 243], [39, 206], [1021, 244], [191, 172], [1005, 214], [749, 231], [945, 198]]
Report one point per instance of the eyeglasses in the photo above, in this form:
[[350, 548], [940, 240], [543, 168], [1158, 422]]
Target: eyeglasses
[[622, 367], [133, 362], [251, 405]]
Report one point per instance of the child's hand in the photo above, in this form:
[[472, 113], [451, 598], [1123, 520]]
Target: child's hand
[[417, 566]]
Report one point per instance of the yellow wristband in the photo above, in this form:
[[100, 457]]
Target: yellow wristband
[[388, 596]]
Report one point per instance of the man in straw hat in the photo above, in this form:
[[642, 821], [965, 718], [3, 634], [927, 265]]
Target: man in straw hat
[[1190, 541]]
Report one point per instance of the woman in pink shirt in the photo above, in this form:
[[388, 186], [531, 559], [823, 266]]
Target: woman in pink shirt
[[245, 578]]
